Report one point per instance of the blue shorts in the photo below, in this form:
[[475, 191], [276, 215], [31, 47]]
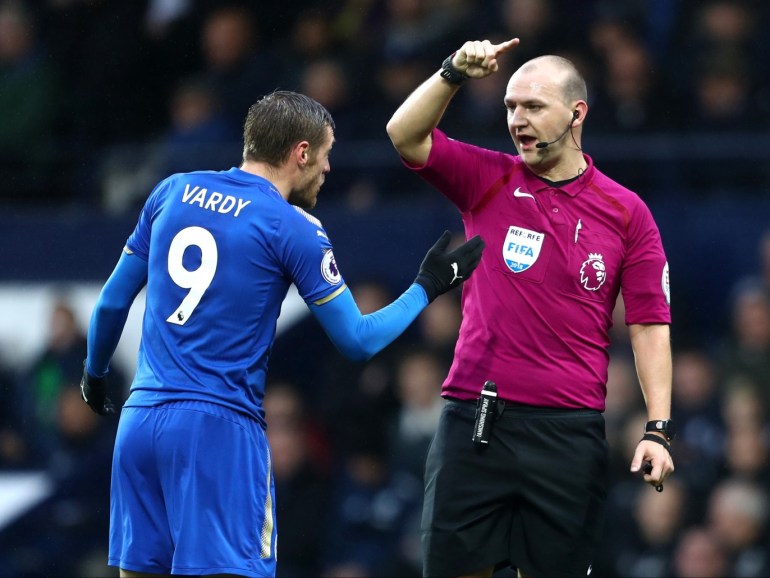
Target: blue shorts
[[192, 492]]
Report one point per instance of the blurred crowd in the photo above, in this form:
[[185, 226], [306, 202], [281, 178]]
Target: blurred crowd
[[103, 98]]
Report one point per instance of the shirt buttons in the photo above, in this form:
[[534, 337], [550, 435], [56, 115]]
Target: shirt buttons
[[555, 209]]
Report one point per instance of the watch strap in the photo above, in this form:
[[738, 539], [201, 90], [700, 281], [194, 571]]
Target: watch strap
[[450, 73], [658, 440]]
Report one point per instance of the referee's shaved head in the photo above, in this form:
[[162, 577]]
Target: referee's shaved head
[[566, 75]]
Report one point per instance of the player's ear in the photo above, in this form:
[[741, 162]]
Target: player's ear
[[301, 152]]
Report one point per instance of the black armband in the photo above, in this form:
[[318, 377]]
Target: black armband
[[450, 73], [657, 440]]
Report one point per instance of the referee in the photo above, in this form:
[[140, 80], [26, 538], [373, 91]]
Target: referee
[[519, 477]]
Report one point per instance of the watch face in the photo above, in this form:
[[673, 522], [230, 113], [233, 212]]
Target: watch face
[[666, 426]]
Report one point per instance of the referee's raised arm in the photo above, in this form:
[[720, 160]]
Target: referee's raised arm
[[411, 125]]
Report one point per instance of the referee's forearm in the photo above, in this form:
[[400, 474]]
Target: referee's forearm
[[652, 352], [412, 124]]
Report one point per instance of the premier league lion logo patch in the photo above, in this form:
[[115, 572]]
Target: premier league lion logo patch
[[329, 268], [521, 248], [593, 272]]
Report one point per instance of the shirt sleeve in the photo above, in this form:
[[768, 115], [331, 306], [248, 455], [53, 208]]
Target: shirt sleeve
[[139, 241], [359, 337], [460, 171], [111, 311], [645, 278], [308, 257]]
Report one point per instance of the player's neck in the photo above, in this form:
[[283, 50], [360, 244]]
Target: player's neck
[[276, 176]]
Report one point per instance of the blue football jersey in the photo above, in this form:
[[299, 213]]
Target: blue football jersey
[[223, 248]]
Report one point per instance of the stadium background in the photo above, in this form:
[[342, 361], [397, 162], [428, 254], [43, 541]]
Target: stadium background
[[102, 98]]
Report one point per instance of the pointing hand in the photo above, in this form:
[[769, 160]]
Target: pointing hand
[[478, 58]]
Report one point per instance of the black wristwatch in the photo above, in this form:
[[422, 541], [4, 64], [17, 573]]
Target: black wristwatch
[[665, 426], [450, 73]]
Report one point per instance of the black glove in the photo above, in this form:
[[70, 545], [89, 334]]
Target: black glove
[[441, 271], [93, 390]]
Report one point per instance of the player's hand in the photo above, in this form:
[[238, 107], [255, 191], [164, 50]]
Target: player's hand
[[655, 455], [93, 390], [478, 58], [441, 271]]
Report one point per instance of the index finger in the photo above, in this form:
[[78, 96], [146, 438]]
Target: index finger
[[504, 47]]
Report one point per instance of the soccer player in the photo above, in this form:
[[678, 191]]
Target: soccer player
[[563, 240], [192, 489]]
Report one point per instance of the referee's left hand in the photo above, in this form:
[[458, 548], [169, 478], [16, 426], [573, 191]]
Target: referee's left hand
[[658, 456]]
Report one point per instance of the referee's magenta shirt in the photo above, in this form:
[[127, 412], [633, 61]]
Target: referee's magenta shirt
[[537, 311]]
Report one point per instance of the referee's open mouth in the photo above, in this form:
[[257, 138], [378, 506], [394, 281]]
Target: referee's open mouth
[[526, 142]]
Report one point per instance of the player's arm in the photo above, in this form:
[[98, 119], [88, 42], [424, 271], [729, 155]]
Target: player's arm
[[107, 322], [359, 337], [413, 122], [111, 311], [651, 344]]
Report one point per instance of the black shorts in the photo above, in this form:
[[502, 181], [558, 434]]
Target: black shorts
[[532, 498]]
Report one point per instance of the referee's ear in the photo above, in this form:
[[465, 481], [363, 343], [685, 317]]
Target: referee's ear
[[579, 112]]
